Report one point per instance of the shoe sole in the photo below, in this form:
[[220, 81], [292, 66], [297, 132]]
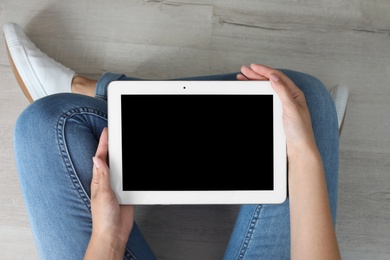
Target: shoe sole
[[340, 95], [17, 75]]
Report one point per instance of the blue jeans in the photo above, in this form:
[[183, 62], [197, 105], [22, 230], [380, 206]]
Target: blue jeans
[[56, 136]]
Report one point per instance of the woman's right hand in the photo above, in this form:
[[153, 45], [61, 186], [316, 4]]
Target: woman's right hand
[[296, 116], [312, 231]]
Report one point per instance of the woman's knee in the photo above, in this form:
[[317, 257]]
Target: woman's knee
[[309, 84], [33, 120]]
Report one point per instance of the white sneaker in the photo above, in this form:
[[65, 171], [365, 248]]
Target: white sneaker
[[37, 74], [340, 97]]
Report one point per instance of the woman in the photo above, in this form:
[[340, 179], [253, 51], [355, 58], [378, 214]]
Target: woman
[[72, 209]]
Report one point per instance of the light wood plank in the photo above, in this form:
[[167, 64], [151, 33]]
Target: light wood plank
[[340, 42]]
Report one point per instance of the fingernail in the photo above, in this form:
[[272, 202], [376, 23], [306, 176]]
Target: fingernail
[[274, 77], [96, 162]]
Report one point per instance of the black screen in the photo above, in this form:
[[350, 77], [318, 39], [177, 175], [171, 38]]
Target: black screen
[[197, 142]]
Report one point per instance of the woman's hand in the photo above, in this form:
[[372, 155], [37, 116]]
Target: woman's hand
[[296, 116], [111, 222], [312, 231]]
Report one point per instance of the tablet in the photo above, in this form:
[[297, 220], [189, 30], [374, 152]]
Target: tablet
[[196, 142]]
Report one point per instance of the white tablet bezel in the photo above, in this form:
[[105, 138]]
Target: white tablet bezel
[[118, 88]]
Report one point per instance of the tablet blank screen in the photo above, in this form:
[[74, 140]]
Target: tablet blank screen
[[197, 142]]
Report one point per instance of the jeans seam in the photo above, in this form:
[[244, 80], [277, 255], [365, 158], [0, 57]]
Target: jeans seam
[[64, 149], [250, 231], [68, 162]]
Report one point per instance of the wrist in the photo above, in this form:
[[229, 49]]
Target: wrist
[[303, 152], [304, 159], [103, 246]]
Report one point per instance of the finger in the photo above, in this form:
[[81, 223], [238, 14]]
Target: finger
[[102, 149], [241, 77], [95, 179], [262, 69], [266, 71], [275, 78], [102, 173], [251, 74], [280, 82]]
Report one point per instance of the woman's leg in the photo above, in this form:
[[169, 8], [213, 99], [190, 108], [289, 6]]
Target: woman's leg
[[263, 231], [55, 139]]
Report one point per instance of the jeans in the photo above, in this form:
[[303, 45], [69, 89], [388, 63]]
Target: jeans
[[56, 136]]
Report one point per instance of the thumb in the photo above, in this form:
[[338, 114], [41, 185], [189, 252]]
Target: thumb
[[103, 174], [95, 176]]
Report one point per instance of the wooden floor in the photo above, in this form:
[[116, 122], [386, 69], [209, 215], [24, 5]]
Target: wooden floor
[[340, 42]]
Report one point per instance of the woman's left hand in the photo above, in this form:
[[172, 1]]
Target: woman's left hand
[[111, 222]]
